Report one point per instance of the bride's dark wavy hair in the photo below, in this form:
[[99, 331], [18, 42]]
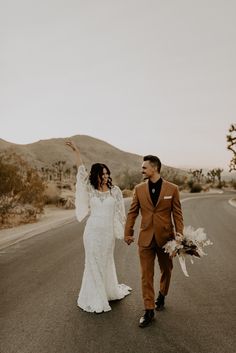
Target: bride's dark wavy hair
[[97, 171]]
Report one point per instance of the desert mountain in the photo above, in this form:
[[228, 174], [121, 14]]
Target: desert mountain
[[44, 153]]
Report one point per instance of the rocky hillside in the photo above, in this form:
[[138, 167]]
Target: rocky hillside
[[44, 153]]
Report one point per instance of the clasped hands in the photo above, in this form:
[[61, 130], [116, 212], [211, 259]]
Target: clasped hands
[[129, 239]]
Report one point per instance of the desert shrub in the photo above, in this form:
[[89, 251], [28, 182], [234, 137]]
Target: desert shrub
[[13, 213], [196, 188], [127, 193], [6, 204], [190, 184], [128, 179], [233, 184], [70, 203], [66, 202], [175, 177], [52, 194], [20, 185], [67, 186], [206, 187], [10, 180], [33, 191], [178, 180], [221, 184]]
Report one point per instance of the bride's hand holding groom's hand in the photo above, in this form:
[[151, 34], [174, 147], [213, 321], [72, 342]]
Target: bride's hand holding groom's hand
[[129, 239]]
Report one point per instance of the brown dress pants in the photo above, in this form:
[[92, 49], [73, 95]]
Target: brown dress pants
[[147, 260]]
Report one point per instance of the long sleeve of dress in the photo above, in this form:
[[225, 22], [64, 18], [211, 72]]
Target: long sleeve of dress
[[82, 194], [132, 215], [119, 216]]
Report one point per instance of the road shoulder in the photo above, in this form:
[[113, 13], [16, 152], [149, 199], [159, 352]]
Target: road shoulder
[[52, 218]]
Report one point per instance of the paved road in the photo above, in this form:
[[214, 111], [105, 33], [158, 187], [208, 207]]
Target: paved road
[[40, 280]]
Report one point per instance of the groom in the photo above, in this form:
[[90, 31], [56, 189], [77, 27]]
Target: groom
[[159, 203]]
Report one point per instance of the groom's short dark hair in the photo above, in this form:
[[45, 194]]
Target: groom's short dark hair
[[154, 160]]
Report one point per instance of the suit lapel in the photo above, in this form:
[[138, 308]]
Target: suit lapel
[[148, 194]]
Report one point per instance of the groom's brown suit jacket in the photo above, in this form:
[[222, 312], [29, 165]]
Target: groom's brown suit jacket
[[162, 220]]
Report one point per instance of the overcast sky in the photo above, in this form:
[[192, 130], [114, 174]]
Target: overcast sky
[[146, 76]]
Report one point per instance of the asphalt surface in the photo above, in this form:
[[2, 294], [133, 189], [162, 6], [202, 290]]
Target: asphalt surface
[[40, 279]]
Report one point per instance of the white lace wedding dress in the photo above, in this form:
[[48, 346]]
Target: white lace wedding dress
[[104, 210]]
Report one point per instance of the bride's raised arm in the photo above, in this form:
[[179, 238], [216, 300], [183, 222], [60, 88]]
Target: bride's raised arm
[[75, 148], [82, 207]]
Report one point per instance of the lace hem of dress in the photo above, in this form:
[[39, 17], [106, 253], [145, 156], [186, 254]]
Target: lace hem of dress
[[122, 291]]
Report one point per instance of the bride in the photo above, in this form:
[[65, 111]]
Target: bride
[[103, 203]]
